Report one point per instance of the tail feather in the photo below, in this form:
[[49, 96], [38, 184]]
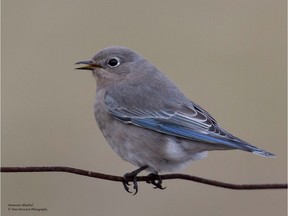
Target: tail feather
[[250, 148], [263, 153]]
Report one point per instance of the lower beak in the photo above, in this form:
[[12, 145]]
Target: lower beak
[[89, 65]]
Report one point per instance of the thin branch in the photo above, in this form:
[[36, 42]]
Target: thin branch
[[145, 178]]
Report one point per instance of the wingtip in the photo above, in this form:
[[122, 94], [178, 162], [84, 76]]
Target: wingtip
[[264, 153]]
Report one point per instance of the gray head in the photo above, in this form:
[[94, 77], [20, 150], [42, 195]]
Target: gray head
[[114, 64]]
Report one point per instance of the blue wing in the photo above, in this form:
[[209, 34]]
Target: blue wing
[[191, 122]]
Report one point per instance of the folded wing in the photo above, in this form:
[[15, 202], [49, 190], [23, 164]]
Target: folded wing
[[190, 122]]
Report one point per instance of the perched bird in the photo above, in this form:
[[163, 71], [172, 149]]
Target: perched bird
[[148, 121]]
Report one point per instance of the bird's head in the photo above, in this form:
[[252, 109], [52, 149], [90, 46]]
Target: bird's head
[[113, 63]]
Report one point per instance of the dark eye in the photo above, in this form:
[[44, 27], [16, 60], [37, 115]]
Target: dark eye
[[113, 62]]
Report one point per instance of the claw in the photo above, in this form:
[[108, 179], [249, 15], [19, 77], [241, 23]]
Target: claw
[[132, 176], [126, 184], [156, 181]]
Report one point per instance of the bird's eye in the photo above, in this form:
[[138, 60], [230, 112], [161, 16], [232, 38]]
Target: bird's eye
[[113, 62]]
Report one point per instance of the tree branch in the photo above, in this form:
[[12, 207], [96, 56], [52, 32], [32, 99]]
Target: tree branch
[[144, 178]]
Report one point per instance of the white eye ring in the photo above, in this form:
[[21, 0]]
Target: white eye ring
[[113, 62]]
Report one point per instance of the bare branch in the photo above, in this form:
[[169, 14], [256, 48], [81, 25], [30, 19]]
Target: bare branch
[[145, 178]]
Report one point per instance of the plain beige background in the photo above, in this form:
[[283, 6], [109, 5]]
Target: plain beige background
[[228, 56]]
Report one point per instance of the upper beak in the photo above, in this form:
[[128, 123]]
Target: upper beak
[[89, 65]]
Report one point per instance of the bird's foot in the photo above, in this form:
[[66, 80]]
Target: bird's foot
[[132, 176], [156, 181], [126, 183]]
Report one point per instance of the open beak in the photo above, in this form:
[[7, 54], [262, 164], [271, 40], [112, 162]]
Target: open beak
[[88, 65]]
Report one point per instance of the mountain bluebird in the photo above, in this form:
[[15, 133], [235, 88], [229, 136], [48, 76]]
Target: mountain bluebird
[[148, 121]]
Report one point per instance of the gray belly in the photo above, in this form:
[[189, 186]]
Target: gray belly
[[140, 146]]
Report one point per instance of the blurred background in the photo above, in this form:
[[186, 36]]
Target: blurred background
[[227, 56]]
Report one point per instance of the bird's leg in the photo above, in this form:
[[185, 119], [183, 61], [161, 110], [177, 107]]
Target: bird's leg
[[133, 177], [156, 181]]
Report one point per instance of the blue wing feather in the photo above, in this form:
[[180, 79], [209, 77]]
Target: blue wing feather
[[196, 124]]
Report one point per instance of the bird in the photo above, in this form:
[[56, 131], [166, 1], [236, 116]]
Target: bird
[[148, 121]]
